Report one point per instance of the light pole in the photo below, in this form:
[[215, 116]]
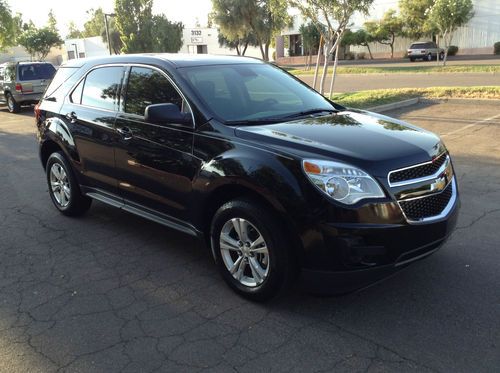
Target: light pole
[[106, 15], [76, 50]]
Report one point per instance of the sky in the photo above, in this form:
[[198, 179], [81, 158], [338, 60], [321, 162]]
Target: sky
[[186, 11]]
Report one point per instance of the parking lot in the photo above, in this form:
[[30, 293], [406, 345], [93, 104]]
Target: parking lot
[[113, 292]]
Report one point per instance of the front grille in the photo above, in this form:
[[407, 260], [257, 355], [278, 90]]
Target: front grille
[[416, 172], [425, 207]]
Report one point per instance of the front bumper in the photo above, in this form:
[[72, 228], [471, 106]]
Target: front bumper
[[363, 254]]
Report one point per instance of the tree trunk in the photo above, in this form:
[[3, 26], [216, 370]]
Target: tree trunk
[[315, 80], [266, 52], [262, 51], [238, 50], [446, 47], [326, 52], [392, 46], [309, 60], [334, 70], [369, 51], [244, 49]]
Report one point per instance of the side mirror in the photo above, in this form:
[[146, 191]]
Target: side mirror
[[166, 113]]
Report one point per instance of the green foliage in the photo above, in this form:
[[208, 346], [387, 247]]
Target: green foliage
[[7, 28], [448, 15], [167, 36], [134, 20], [310, 37], [73, 31], [239, 19], [95, 25], [38, 42], [452, 50], [52, 22], [414, 16], [240, 44], [496, 48], [386, 29]]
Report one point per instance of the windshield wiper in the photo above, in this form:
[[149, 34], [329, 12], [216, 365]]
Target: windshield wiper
[[310, 112]]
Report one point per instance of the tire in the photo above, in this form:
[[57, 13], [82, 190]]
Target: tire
[[441, 56], [261, 272], [63, 187], [429, 57], [12, 105]]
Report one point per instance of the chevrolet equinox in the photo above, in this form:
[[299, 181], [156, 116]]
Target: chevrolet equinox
[[280, 182]]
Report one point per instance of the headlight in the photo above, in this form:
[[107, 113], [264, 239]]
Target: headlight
[[342, 182]]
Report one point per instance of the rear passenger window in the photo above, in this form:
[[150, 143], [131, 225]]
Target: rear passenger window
[[147, 87], [102, 87]]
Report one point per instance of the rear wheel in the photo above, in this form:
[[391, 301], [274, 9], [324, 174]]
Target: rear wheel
[[63, 187], [441, 56], [252, 250], [429, 57], [12, 105]]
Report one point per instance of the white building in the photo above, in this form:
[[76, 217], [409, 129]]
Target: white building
[[202, 40], [85, 47]]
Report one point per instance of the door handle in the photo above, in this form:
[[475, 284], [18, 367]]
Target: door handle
[[125, 132], [72, 117]]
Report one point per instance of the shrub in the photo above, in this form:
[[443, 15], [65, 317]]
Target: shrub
[[360, 56], [496, 47], [452, 50], [349, 56]]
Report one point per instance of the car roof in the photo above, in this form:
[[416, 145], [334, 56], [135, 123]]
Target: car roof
[[176, 60]]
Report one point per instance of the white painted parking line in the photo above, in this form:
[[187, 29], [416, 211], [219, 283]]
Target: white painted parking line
[[482, 121]]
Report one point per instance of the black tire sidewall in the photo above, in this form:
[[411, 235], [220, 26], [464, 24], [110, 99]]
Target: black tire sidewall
[[72, 206], [275, 240], [15, 106]]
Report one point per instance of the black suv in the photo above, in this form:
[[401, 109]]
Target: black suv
[[277, 179]]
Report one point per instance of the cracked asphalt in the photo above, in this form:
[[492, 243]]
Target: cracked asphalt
[[111, 292]]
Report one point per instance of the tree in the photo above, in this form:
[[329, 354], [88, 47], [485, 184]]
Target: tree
[[52, 22], [414, 16], [73, 31], [95, 25], [332, 18], [7, 35], [359, 37], [237, 19], [38, 42], [134, 21], [310, 40], [167, 36], [448, 15], [240, 44], [386, 29]]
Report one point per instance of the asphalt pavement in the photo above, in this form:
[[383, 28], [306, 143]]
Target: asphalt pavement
[[112, 292]]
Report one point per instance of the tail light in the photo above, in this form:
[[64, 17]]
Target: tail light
[[19, 88]]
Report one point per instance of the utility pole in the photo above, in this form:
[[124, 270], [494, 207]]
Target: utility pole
[[106, 15]]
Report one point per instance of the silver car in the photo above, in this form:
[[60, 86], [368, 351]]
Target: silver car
[[427, 50], [23, 83]]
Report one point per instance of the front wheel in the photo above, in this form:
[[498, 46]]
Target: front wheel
[[441, 56], [251, 250], [63, 187]]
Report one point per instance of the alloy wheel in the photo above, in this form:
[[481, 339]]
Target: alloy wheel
[[59, 184], [10, 103], [244, 252]]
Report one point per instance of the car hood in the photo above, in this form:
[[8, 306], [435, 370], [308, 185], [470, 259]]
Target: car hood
[[372, 141]]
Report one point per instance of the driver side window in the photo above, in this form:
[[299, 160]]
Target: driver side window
[[147, 87]]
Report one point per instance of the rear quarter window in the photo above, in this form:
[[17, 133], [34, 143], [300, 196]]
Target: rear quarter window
[[36, 71], [62, 75]]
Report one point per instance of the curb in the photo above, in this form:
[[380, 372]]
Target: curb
[[394, 105], [475, 101]]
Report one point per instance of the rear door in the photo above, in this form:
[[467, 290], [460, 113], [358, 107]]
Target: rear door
[[89, 112], [34, 78]]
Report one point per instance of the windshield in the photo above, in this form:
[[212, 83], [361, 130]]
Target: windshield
[[252, 92], [36, 71]]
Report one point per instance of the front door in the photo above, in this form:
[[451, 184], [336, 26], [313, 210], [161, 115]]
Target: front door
[[155, 163]]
